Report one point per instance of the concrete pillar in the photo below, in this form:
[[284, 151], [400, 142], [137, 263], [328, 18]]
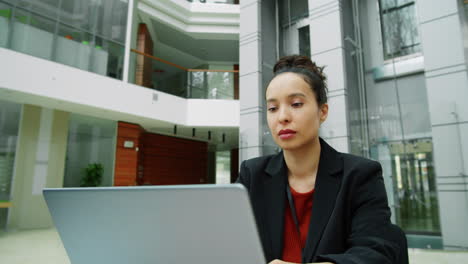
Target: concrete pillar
[[327, 48], [447, 91], [39, 163], [250, 79]]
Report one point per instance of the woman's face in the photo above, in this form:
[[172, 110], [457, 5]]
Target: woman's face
[[293, 115]]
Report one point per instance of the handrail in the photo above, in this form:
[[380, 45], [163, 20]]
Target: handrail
[[159, 59], [178, 66], [208, 70]]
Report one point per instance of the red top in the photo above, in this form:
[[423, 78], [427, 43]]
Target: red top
[[292, 244]]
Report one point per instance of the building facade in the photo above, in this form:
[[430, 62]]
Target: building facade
[[397, 82]]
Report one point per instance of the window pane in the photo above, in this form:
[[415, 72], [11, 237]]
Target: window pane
[[47, 8], [386, 4], [220, 85], [106, 18], [79, 14], [9, 123], [32, 34], [90, 140], [223, 167], [409, 31], [292, 10], [112, 20], [400, 32], [5, 14], [304, 41], [73, 47]]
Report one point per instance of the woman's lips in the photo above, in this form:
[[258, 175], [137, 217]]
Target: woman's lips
[[286, 134]]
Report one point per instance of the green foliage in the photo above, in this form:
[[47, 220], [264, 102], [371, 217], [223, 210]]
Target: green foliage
[[93, 175]]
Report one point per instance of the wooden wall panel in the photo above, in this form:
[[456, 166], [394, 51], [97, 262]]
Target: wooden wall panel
[[126, 160], [157, 159], [144, 68], [169, 160]]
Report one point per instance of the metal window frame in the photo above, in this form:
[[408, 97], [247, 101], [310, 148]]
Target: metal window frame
[[383, 12]]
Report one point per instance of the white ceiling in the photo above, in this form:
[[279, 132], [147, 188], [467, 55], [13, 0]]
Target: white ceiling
[[208, 50]]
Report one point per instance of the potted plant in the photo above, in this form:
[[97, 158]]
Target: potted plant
[[93, 175]]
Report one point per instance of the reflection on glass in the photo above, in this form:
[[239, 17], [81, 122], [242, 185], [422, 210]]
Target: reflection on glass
[[215, 1], [304, 41], [203, 84], [90, 140], [5, 14], [292, 10], [32, 34], [409, 165], [393, 125], [88, 34], [223, 167], [399, 28], [9, 125], [211, 85], [169, 79], [105, 18]]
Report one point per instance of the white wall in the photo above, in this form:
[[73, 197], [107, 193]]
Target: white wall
[[202, 112]]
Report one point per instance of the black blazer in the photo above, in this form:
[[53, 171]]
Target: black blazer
[[350, 220]]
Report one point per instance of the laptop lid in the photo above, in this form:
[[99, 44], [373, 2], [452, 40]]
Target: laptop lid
[[156, 224]]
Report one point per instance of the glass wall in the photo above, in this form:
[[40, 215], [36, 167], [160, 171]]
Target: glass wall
[[397, 120], [399, 24], [215, 1], [10, 115], [290, 11], [210, 85], [304, 41], [85, 34], [223, 167], [293, 29], [90, 140], [187, 83]]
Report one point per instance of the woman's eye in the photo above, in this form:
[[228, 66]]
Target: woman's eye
[[297, 104], [271, 109]]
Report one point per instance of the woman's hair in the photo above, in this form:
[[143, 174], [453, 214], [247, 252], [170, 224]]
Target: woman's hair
[[310, 72]]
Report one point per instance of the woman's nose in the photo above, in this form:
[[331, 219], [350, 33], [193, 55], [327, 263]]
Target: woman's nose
[[284, 115]]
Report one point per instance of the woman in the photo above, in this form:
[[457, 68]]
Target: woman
[[312, 203]]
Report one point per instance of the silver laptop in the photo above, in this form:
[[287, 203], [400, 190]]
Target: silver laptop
[[185, 224]]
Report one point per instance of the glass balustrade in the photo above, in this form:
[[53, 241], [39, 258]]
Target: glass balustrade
[[177, 80], [87, 35]]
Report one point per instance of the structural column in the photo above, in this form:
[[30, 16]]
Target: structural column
[[327, 48], [250, 78], [39, 164], [447, 91]]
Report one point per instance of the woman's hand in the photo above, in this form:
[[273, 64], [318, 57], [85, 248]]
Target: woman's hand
[[277, 261]]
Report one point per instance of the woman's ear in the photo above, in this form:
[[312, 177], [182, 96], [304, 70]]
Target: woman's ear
[[323, 112]]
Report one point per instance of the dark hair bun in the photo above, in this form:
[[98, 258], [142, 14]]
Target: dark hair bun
[[312, 73], [298, 61]]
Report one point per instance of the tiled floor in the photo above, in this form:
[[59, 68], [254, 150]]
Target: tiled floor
[[44, 247], [423, 256], [32, 247]]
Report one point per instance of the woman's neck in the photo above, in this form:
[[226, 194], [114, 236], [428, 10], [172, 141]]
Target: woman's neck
[[302, 166]]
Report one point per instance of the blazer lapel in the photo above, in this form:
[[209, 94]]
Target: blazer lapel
[[275, 193], [326, 188]]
